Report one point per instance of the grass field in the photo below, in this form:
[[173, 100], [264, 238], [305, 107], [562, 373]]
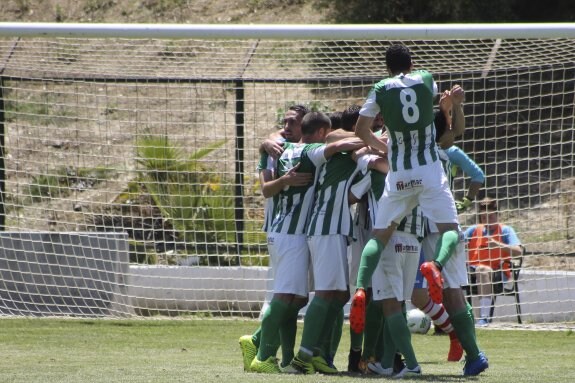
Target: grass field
[[203, 350]]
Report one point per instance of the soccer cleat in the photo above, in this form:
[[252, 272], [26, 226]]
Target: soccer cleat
[[269, 366], [357, 311], [408, 372], [353, 360], [483, 322], [477, 366], [398, 363], [322, 366], [288, 369], [434, 281], [370, 366], [302, 367], [249, 350], [455, 349]]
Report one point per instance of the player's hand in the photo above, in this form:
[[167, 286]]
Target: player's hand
[[457, 94], [463, 205], [293, 178], [273, 148]]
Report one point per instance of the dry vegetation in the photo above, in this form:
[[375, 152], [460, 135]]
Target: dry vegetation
[[161, 11]]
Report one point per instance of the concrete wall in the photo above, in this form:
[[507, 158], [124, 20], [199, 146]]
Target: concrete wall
[[545, 296], [71, 274]]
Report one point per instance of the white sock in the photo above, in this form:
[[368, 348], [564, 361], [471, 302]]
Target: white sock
[[485, 307]]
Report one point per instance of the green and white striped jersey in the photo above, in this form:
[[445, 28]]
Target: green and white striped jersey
[[294, 204], [372, 182], [406, 104], [330, 211], [267, 162]]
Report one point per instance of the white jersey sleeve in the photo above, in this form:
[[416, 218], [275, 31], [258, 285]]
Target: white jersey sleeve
[[370, 107]]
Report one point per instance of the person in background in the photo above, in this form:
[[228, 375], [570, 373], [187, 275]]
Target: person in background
[[490, 244]]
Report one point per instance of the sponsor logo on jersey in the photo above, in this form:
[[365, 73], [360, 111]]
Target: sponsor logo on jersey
[[403, 248], [400, 185]]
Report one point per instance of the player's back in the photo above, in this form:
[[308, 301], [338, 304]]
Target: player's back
[[406, 103]]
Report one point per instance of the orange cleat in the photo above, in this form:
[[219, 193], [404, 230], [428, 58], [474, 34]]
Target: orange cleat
[[434, 281], [357, 311], [455, 350]]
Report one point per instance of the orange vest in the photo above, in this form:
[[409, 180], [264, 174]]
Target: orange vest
[[479, 253]]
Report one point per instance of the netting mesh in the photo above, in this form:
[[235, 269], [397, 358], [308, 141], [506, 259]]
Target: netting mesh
[[159, 139]]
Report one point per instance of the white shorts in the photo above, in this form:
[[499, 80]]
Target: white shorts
[[427, 186], [395, 273], [455, 271], [354, 251], [290, 260], [329, 262]]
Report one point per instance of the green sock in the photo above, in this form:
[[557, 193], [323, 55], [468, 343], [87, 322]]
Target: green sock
[[336, 334], [389, 350], [464, 327], [356, 340], [288, 331], [329, 329], [445, 246], [402, 338], [313, 325], [271, 322], [256, 336], [379, 345], [373, 327], [470, 311], [369, 259]]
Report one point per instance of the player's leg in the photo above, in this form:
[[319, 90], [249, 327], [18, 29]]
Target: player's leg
[[291, 261], [455, 276], [330, 270], [438, 205], [400, 267], [437, 312]]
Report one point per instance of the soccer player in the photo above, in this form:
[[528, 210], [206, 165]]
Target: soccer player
[[451, 158], [392, 284], [329, 231], [291, 132], [287, 238], [416, 176]]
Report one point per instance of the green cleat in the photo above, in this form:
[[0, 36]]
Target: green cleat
[[302, 367], [269, 366], [320, 365], [249, 351]]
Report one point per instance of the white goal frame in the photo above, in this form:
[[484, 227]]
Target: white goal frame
[[243, 289]]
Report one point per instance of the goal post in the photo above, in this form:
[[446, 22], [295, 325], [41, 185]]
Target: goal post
[[151, 132]]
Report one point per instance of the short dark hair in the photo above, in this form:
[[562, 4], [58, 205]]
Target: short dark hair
[[487, 204], [335, 118], [398, 58], [314, 121], [349, 117], [301, 110]]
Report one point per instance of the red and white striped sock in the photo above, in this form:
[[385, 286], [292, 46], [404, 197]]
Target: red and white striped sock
[[438, 315]]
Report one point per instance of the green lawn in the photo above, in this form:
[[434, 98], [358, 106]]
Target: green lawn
[[206, 350]]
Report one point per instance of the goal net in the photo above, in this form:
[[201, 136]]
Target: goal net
[[128, 169]]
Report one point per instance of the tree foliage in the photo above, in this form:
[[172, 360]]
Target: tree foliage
[[447, 11]]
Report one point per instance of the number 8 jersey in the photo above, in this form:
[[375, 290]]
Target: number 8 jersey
[[406, 104]]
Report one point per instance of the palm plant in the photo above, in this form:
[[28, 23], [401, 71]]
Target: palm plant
[[198, 203]]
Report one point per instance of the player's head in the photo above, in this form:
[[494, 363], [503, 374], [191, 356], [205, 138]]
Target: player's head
[[487, 211], [335, 118], [292, 122], [398, 59], [314, 127], [440, 123], [378, 123], [349, 118]]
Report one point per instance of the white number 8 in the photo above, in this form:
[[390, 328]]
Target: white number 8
[[409, 111]]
